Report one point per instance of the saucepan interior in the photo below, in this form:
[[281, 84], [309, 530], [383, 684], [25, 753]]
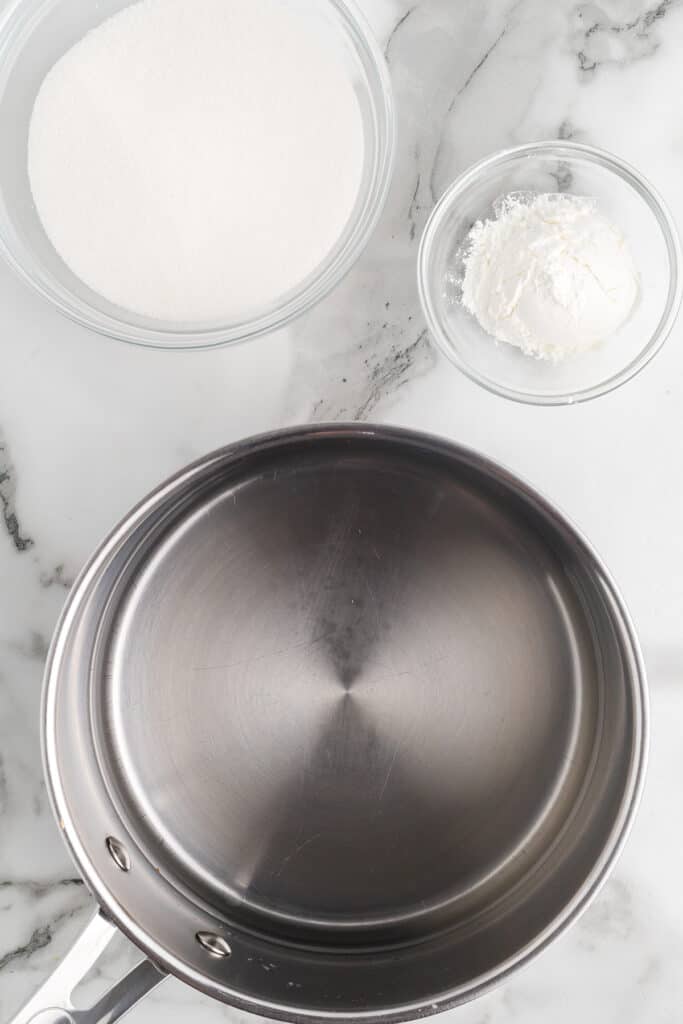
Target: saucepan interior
[[360, 703]]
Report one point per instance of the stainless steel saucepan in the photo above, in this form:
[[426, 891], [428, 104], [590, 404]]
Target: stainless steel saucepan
[[341, 723]]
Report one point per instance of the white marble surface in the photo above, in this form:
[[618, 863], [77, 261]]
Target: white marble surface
[[87, 426]]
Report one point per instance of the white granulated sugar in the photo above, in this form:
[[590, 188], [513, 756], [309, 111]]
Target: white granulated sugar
[[550, 275], [193, 160]]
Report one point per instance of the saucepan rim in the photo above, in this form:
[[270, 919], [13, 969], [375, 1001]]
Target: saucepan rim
[[621, 622]]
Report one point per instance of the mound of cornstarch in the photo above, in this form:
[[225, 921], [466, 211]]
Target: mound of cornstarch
[[193, 160], [550, 274]]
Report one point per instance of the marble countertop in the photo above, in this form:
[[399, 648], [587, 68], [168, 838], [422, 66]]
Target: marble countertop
[[88, 426]]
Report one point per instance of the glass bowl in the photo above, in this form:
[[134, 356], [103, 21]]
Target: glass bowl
[[632, 205], [33, 36]]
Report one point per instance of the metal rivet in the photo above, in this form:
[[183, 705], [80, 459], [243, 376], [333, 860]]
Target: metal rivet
[[216, 945], [118, 853], [52, 1017]]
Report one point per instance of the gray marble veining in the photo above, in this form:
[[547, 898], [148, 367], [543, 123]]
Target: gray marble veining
[[87, 426], [7, 495]]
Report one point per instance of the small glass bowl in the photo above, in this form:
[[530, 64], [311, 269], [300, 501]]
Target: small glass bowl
[[632, 205], [34, 34]]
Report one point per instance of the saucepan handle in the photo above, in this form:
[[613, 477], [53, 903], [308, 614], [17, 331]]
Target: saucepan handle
[[52, 1003]]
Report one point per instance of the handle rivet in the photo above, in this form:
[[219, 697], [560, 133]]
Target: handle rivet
[[52, 1017], [215, 945], [118, 853]]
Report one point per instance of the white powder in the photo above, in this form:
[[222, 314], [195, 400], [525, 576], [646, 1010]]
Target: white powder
[[550, 275], [195, 159]]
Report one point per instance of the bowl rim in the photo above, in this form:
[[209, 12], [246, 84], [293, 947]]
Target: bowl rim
[[18, 21], [609, 162]]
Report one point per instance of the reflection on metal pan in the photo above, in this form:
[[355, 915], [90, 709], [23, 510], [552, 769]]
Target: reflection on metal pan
[[341, 722]]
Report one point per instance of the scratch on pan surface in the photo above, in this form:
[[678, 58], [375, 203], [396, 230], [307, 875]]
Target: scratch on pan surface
[[295, 852], [389, 771]]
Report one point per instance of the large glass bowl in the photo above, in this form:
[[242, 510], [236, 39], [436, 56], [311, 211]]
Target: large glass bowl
[[33, 36], [625, 198]]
